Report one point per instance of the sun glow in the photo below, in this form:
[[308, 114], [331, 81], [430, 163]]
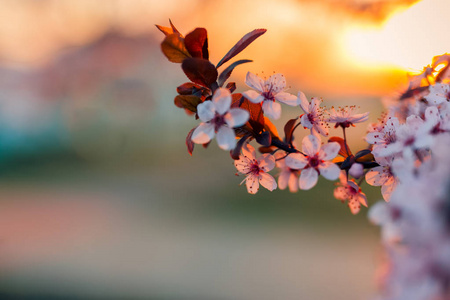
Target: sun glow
[[407, 40]]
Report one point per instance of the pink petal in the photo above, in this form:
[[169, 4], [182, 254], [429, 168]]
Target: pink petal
[[287, 98], [377, 176], [253, 96], [248, 151], [354, 206], [432, 115], [341, 193], [203, 133], [293, 183], [329, 151], [296, 161], [356, 170], [310, 145], [272, 109], [254, 82], [308, 179], [226, 139], [222, 100], [243, 164], [362, 199], [277, 83], [266, 162], [236, 117], [206, 111], [283, 179], [386, 191], [304, 104], [329, 170], [252, 183], [267, 181]]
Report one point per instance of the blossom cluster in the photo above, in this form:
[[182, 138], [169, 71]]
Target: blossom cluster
[[407, 153], [411, 144]]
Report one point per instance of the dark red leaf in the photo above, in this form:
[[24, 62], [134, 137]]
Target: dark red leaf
[[241, 45], [188, 102], [345, 150], [231, 86], [256, 120], [264, 139], [289, 130], [195, 42], [189, 142], [200, 71], [227, 72]]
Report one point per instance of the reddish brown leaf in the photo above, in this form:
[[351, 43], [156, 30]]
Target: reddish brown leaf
[[188, 102], [189, 142], [200, 71], [223, 77], [268, 126], [256, 120], [174, 49], [289, 130], [345, 150], [231, 86], [241, 45], [195, 43], [168, 30]]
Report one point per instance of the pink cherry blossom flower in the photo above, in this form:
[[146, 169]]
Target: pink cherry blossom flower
[[287, 177], [313, 118], [383, 176], [349, 191], [267, 91], [412, 136], [256, 169], [439, 93], [381, 137], [346, 117], [314, 161], [219, 119]]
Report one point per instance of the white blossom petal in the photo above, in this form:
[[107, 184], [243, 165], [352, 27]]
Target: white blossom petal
[[287, 98], [329, 170], [203, 133], [226, 139], [304, 104], [243, 164], [237, 117], [276, 83], [308, 179], [206, 111], [267, 181], [329, 151], [306, 122], [296, 161], [254, 81], [272, 109], [310, 145], [253, 96], [222, 100]]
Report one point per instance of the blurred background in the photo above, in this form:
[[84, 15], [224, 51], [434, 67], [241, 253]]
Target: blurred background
[[99, 198]]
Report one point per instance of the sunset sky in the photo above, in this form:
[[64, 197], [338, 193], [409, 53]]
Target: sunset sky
[[328, 47]]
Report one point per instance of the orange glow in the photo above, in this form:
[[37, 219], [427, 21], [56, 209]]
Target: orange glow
[[407, 40]]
